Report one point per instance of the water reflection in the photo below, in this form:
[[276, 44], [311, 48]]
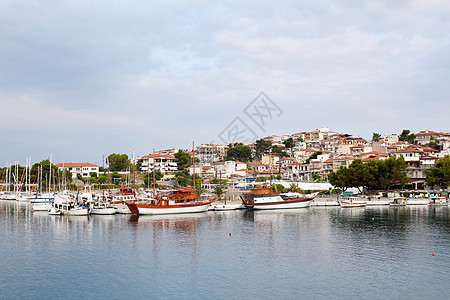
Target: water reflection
[[180, 256]]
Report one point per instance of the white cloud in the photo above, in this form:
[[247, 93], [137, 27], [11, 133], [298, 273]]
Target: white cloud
[[167, 73]]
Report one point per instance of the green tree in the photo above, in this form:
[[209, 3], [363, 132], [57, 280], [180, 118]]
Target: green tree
[[439, 175], [184, 160], [275, 150], [313, 156], [118, 162], [376, 137], [93, 175], [116, 178], [407, 136], [45, 165], [102, 179], [393, 171], [316, 177], [434, 144], [239, 152], [262, 147], [340, 179], [219, 191], [289, 144]]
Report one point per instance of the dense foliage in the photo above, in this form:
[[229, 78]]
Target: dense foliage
[[371, 175], [439, 175], [239, 152], [262, 147], [407, 136], [184, 160], [118, 162]]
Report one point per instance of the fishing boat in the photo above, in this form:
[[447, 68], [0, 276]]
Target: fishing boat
[[438, 201], [398, 201], [183, 200], [349, 202], [64, 204], [265, 198]]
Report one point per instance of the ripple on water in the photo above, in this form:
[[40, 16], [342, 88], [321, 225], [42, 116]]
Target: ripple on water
[[309, 253]]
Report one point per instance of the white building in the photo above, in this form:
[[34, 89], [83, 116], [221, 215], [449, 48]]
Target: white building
[[161, 162], [208, 153], [83, 169]]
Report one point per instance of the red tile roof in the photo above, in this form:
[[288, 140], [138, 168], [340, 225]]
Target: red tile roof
[[72, 165]]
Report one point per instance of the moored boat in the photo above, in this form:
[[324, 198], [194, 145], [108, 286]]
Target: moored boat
[[184, 200], [349, 202], [438, 201], [265, 198], [398, 201], [103, 209]]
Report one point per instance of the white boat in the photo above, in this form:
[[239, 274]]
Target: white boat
[[349, 202], [418, 201], [55, 211], [103, 209], [265, 198], [438, 201], [67, 206], [398, 201], [70, 210]]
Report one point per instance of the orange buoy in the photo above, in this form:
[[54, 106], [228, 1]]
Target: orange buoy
[[230, 233], [433, 254]]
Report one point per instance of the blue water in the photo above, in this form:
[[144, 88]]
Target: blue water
[[314, 253]]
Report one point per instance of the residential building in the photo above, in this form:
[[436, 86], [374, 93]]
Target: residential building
[[82, 169], [161, 162], [209, 153]]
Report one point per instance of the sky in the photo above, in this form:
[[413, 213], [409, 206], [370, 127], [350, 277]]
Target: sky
[[84, 79]]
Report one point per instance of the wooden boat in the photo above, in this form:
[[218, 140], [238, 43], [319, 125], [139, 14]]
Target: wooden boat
[[349, 202], [265, 198], [398, 201], [184, 200]]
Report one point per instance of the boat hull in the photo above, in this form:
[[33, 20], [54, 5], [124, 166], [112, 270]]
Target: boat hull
[[352, 205], [151, 209], [103, 211], [77, 212], [301, 203]]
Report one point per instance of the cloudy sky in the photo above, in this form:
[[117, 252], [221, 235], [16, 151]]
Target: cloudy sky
[[83, 79]]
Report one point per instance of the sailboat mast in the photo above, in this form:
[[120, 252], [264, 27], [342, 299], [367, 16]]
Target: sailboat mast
[[154, 176], [50, 176], [193, 165]]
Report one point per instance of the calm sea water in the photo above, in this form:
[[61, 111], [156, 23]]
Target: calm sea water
[[314, 253]]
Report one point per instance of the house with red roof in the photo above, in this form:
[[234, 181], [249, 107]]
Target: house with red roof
[[424, 137]]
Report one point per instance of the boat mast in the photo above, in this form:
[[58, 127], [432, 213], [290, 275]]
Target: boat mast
[[50, 176], [193, 165], [154, 176]]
